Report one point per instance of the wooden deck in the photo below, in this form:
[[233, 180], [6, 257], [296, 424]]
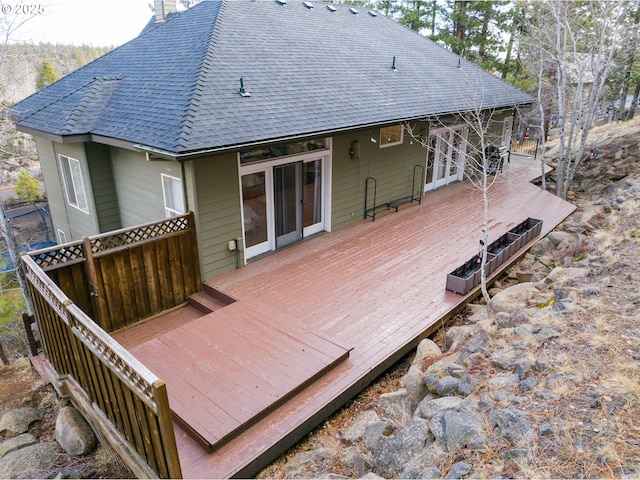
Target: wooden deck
[[377, 288]]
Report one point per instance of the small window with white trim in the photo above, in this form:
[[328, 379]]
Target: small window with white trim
[[173, 199], [73, 183], [393, 135], [62, 237]]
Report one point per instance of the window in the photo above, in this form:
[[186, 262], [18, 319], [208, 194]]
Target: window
[[390, 136], [62, 237], [73, 184], [173, 199]]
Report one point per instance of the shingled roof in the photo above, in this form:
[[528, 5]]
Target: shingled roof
[[309, 70]]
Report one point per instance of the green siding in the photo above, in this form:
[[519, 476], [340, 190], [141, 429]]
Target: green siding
[[53, 186], [392, 167], [218, 211], [73, 221], [103, 184], [139, 186]]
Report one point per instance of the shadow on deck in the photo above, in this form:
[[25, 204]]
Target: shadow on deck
[[250, 379]]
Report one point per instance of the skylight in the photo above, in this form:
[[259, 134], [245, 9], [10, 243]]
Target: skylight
[[331, 8], [282, 2], [372, 13], [309, 5], [353, 10]]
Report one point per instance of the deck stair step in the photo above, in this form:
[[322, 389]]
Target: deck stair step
[[205, 302]]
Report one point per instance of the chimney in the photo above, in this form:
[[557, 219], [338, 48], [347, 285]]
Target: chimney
[[163, 8]]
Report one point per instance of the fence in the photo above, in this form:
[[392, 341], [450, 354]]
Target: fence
[[116, 279], [129, 275], [526, 146]]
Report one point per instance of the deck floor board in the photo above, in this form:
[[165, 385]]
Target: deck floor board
[[377, 287]]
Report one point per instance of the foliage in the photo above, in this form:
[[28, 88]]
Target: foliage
[[46, 75], [27, 188]]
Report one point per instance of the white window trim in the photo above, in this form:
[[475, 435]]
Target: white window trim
[[168, 211], [267, 166], [62, 237], [76, 188], [392, 144]]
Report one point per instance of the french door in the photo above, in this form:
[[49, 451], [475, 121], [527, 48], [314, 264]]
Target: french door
[[282, 203], [446, 154]]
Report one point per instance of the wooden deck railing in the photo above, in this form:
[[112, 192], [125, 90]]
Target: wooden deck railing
[[83, 290], [125, 401], [128, 275]]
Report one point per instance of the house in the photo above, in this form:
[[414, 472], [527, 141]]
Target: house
[[265, 118]]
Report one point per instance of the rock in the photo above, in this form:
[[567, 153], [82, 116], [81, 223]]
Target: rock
[[509, 299], [427, 348], [429, 407], [297, 466], [35, 458], [459, 470], [372, 476], [528, 384], [480, 342], [73, 433], [546, 429], [431, 379], [545, 334], [415, 386], [447, 386], [17, 422], [541, 364], [507, 357], [455, 337], [353, 459], [374, 432], [543, 246], [560, 273], [516, 454], [455, 370], [391, 454], [431, 472], [396, 406], [355, 431], [466, 387], [453, 429], [16, 443], [513, 425], [557, 237]]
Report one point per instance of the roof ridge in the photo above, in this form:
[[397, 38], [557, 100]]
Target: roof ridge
[[198, 85]]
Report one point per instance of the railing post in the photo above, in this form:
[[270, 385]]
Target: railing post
[[92, 277], [165, 422]]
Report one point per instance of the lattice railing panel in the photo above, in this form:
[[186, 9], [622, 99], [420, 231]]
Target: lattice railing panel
[[58, 255], [139, 234], [120, 360]]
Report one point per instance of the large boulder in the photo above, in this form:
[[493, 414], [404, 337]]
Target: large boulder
[[509, 299], [392, 454], [29, 462], [355, 431], [16, 443], [17, 422], [73, 433], [455, 429], [427, 348]]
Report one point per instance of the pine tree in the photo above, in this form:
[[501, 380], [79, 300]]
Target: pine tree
[[46, 75]]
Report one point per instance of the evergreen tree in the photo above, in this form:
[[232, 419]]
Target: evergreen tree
[[46, 75]]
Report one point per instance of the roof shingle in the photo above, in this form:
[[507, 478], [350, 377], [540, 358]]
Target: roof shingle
[[309, 71]]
